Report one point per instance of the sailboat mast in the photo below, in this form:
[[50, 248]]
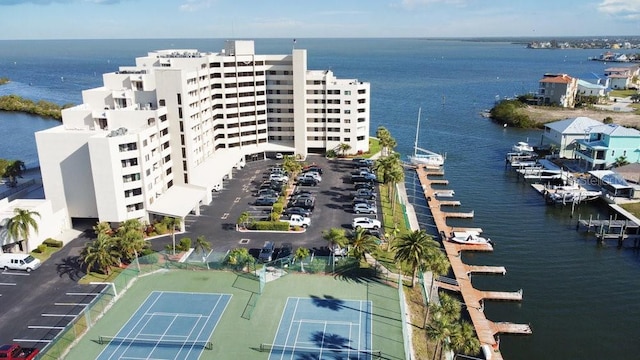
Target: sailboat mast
[[415, 145]]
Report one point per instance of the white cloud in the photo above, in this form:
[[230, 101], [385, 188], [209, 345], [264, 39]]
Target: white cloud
[[626, 9], [195, 5]]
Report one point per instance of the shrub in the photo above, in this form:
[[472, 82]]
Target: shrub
[[40, 249], [184, 245], [53, 243], [270, 225], [160, 228]]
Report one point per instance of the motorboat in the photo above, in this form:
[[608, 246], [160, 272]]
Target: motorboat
[[469, 238], [522, 147], [423, 156]]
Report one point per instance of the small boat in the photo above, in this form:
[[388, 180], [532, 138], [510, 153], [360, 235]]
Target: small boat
[[522, 147], [469, 238], [422, 156]]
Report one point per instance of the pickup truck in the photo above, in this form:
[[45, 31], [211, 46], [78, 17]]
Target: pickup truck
[[297, 220], [17, 352]]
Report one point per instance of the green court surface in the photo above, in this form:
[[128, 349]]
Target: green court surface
[[251, 319]]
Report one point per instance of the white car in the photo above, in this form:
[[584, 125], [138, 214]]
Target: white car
[[365, 223], [364, 208], [278, 177], [279, 156]]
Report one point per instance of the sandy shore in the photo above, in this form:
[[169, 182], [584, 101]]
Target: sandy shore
[[549, 114]]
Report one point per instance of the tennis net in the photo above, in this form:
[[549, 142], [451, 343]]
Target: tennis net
[[301, 350], [154, 342]]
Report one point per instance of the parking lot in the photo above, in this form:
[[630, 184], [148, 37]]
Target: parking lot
[[37, 305], [333, 208]]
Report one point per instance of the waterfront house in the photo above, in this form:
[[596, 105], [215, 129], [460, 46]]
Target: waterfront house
[[604, 144], [587, 89], [557, 89], [623, 77], [563, 134], [612, 184]]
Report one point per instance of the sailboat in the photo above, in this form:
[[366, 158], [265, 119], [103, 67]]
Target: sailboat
[[422, 156]]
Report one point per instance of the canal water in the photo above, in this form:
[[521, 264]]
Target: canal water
[[581, 299]]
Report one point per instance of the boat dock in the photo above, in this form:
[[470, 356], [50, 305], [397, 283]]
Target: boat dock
[[459, 215], [473, 298], [611, 229]]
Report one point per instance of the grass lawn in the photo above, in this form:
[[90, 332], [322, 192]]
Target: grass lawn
[[622, 93], [632, 208], [98, 277], [44, 256]]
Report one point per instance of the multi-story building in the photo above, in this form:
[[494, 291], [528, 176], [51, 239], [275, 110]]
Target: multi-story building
[[157, 137], [558, 89]]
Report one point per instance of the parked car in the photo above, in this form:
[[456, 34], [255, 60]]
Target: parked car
[[296, 220], [365, 223], [17, 261], [296, 211], [265, 201], [365, 196], [364, 178], [365, 208], [364, 193], [305, 203], [274, 185], [363, 162], [307, 181], [299, 192], [17, 352], [268, 192], [315, 168], [266, 253], [279, 156], [286, 251], [358, 200], [279, 177], [311, 175], [364, 185]]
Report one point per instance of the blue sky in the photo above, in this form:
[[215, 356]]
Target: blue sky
[[113, 19]]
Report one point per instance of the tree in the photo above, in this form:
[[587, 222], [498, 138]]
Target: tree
[[440, 328], [240, 257], [130, 241], [335, 237], [387, 142], [101, 253], [621, 161], [172, 223], [415, 248], [20, 225], [13, 171], [343, 148], [464, 339], [102, 228], [202, 246], [362, 243], [390, 170], [244, 219], [301, 254]]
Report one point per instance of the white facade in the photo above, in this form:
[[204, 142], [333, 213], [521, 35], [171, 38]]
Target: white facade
[[171, 127], [564, 134]]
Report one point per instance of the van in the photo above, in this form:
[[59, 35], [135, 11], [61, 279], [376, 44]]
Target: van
[[9, 261]]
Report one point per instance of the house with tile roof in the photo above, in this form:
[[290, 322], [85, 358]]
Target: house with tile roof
[[557, 89], [563, 134], [623, 77], [605, 143]]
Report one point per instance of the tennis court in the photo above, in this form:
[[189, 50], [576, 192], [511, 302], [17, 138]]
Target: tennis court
[[168, 325], [323, 328]]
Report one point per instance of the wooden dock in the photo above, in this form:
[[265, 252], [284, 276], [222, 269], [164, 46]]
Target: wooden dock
[[450, 203], [473, 298]]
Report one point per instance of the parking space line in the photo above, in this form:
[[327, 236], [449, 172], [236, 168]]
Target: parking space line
[[225, 216], [8, 284], [46, 327], [70, 304], [237, 200], [83, 294], [32, 340], [16, 273], [58, 315]]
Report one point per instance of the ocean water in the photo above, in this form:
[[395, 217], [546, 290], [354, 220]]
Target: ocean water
[[580, 298]]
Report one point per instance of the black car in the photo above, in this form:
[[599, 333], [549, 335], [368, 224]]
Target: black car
[[364, 185], [268, 192], [306, 181], [297, 211], [286, 251], [299, 192], [265, 201], [306, 203], [312, 168]]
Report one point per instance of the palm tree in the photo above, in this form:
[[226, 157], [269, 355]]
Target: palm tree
[[20, 225], [14, 171], [335, 237], [415, 248], [387, 142], [390, 170], [244, 218], [440, 329], [301, 254], [464, 339], [101, 253], [362, 243], [202, 246], [621, 161], [344, 147], [103, 227], [130, 240], [172, 223]]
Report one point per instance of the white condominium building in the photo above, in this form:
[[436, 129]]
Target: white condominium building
[[157, 137]]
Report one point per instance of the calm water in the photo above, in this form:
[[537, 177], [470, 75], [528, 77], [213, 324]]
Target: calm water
[[580, 299]]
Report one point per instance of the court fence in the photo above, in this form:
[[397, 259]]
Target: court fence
[[115, 287], [406, 333], [312, 352]]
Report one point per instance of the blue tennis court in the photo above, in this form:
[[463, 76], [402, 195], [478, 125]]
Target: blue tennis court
[[168, 325], [323, 328]]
